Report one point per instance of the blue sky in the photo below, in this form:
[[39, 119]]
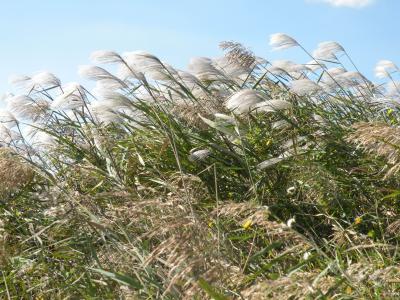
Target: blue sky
[[58, 36]]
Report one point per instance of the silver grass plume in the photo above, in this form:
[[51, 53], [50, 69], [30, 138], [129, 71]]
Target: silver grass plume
[[244, 100], [113, 98], [110, 84], [280, 125], [142, 62], [280, 41], [384, 68], [104, 112], [141, 59], [328, 50], [45, 80], [73, 97], [231, 69], [303, 87], [105, 56], [352, 78], [236, 53], [75, 87], [67, 101], [269, 163], [97, 73], [26, 107], [203, 69], [126, 72], [271, 105], [283, 67], [199, 155], [188, 79]]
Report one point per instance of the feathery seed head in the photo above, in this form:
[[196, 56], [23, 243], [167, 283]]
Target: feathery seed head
[[327, 50], [269, 163], [237, 54], [95, 73], [303, 87], [244, 100], [141, 60], [280, 41], [384, 68], [272, 105], [27, 108], [105, 56], [203, 69], [104, 112], [199, 155], [283, 67], [231, 69], [45, 80], [67, 101], [290, 222]]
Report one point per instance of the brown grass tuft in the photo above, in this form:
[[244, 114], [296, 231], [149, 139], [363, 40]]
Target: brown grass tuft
[[238, 54], [381, 140], [14, 174]]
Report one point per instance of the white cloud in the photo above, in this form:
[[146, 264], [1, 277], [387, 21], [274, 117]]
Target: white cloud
[[347, 3]]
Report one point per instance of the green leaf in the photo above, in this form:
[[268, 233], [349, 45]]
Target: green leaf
[[219, 127], [210, 290], [392, 195], [120, 278]]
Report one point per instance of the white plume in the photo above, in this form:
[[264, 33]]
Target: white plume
[[45, 80], [304, 87], [244, 100], [105, 56], [280, 41], [272, 105], [384, 68], [199, 155], [327, 50], [203, 69], [27, 108]]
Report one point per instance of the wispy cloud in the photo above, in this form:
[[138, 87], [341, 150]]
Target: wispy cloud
[[346, 3]]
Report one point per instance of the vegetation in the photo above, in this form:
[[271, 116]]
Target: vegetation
[[236, 179]]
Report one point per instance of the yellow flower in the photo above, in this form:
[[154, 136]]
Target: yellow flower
[[358, 220], [247, 224], [349, 290]]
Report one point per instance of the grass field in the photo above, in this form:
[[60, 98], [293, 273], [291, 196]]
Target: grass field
[[239, 178]]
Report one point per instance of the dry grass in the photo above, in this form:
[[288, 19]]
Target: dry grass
[[379, 139], [14, 174]]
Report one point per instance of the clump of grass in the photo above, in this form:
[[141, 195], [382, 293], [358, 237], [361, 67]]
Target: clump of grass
[[238, 178], [14, 175], [380, 139]]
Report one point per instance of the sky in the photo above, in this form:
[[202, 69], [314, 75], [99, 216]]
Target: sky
[[58, 36]]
